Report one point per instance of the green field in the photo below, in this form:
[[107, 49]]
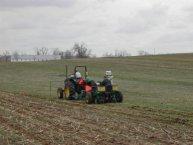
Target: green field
[[162, 82]]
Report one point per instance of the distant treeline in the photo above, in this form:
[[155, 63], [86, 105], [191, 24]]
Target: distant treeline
[[79, 50]]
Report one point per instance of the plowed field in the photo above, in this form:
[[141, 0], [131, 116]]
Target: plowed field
[[26, 120]]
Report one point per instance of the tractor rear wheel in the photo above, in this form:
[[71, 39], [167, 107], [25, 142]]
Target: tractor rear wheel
[[89, 98], [70, 90], [60, 93], [119, 96]]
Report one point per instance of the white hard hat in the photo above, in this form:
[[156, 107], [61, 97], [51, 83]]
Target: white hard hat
[[78, 75], [108, 73]]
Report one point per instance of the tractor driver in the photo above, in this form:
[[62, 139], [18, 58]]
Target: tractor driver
[[80, 81], [79, 78]]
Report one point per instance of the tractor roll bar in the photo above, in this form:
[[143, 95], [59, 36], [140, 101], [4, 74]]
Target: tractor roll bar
[[81, 66]]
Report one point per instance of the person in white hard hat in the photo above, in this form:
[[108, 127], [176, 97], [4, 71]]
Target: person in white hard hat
[[78, 75], [109, 76], [80, 81], [107, 82]]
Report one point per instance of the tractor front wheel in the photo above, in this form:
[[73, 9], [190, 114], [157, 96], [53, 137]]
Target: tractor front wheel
[[60, 93]]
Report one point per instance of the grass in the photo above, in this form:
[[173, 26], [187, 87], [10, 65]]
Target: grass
[[162, 82]]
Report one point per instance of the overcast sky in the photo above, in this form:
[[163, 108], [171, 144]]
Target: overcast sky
[[104, 25]]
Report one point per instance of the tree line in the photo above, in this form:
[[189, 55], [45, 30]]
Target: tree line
[[79, 50]]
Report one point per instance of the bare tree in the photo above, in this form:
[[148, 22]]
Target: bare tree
[[16, 55], [44, 50], [37, 51], [41, 51], [81, 50]]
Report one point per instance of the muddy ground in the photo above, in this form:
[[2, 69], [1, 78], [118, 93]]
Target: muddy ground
[[26, 120]]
